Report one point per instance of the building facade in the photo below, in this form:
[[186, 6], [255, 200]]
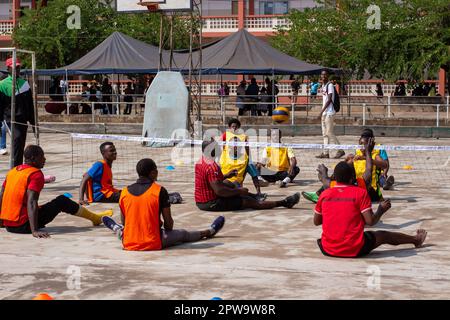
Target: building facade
[[10, 12], [220, 18], [260, 17]]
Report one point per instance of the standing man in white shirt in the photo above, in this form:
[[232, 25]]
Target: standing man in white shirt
[[327, 115]]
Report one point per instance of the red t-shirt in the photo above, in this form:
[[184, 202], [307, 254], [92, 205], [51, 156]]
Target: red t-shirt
[[206, 171], [36, 184], [341, 208]]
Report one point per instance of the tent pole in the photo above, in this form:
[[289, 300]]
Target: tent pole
[[118, 94], [160, 41], [171, 42], [66, 84], [274, 98], [13, 108]]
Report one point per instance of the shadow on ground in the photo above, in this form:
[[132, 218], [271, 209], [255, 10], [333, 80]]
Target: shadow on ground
[[398, 253], [197, 245], [382, 225], [68, 229]]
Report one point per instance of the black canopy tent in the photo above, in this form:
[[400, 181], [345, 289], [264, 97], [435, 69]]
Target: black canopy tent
[[239, 53], [117, 54], [244, 53]]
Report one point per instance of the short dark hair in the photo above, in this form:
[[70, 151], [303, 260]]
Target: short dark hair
[[145, 166], [367, 133], [32, 151], [343, 172], [104, 145], [234, 120]]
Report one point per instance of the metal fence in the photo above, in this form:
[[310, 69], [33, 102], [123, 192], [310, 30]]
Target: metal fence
[[223, 107]]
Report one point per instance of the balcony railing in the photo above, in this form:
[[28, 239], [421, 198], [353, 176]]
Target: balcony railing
[[266, 23], [220, 24], [360, 88], [6, 27], [261, 23], [216, 24]]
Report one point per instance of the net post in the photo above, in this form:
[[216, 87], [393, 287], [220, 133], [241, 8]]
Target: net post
[[389, 106], [292, 112], [437, 115], [364, 114], [222, 109], [447, 106], [92, 111], [71, 167]]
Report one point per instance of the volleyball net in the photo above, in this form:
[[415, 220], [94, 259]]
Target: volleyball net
[[412, 165]]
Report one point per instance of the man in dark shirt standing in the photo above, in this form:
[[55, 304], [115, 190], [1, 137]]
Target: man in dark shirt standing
[[252, 93], [24, 109]]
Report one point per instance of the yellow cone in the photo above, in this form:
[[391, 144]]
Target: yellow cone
[[407, 167]]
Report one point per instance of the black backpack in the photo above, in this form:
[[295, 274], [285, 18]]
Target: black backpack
[[336, 100]]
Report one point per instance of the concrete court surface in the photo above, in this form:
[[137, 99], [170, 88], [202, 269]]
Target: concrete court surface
[[258, 254]]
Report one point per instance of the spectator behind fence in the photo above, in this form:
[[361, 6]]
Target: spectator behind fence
[[314, 87], [85, 96], [272, 91], [264, 101], [128, 98], [252, 93], [224, 90], [295, 86], [400, 90], [417, 91], [379, 90], [240, 97], [106, 96], [64, 85], [55, 106], [432, 92], [426, 89]]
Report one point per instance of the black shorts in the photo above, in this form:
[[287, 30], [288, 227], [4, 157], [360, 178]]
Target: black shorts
[[368, 246], [369, 243], [374, 196], [114, 198], [222, 204]]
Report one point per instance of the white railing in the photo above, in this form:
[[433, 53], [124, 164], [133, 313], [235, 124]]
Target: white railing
[[220, 24], [251, 23], [211, 88], [266, 23], [6, 27], [369, 89]]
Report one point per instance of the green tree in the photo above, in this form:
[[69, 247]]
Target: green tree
[[413, 38], [45, 30]]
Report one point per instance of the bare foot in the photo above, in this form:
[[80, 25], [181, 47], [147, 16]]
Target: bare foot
[[420, 237]]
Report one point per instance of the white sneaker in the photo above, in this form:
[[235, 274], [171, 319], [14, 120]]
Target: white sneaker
[[3, 152]]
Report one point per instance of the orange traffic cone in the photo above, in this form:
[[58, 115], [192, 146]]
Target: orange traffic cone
[[43, 296]]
